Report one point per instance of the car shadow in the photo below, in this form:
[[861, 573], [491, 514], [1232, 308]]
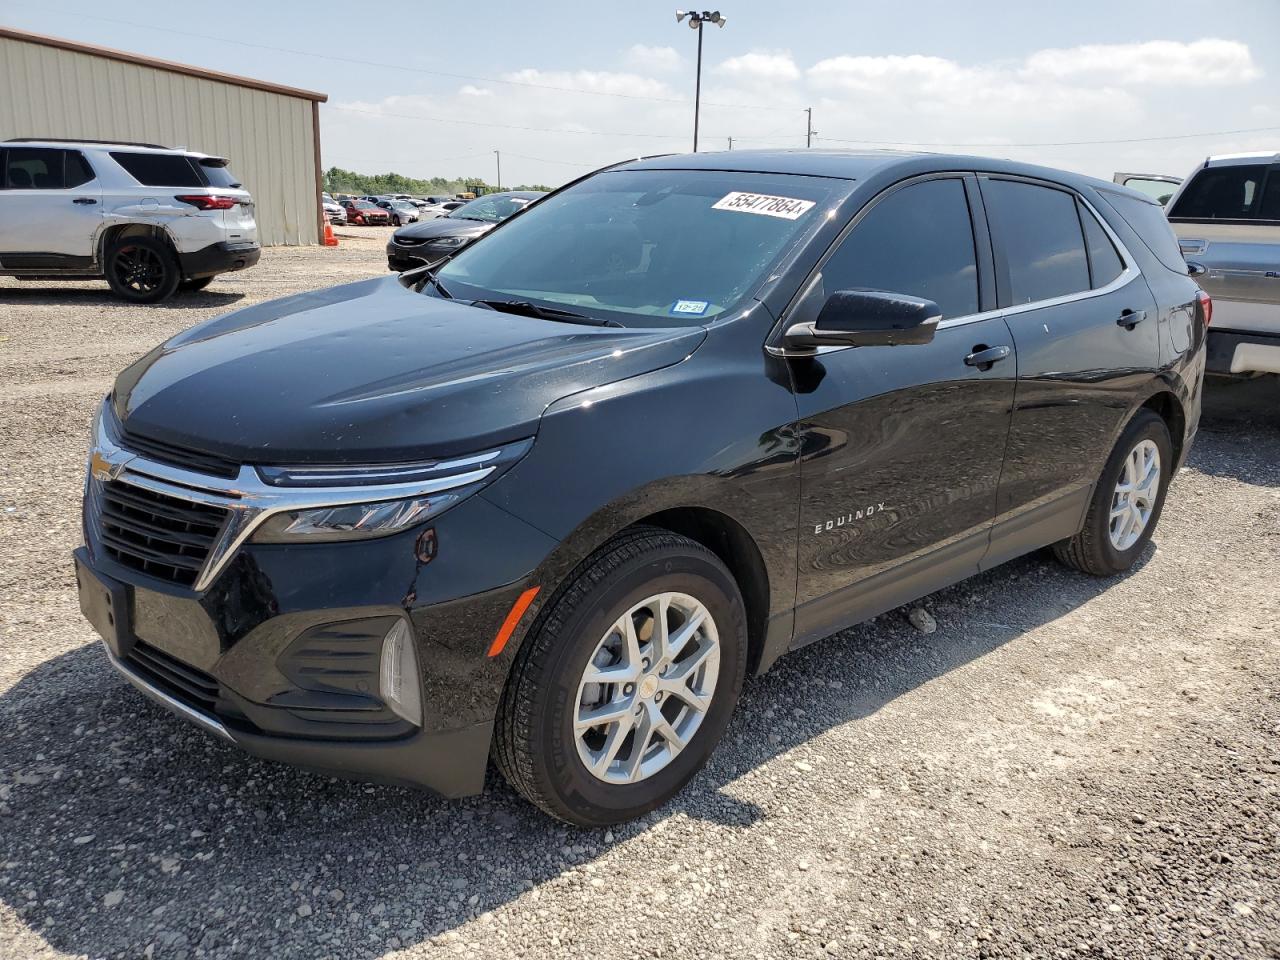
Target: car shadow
[[122, 826], [62, 294], [1239, 427]]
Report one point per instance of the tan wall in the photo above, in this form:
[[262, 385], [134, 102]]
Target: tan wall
[[47, 92]]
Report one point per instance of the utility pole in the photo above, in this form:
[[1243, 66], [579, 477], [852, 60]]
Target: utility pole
[[808, 127], [696, 20], [731, 143], [498, 156]]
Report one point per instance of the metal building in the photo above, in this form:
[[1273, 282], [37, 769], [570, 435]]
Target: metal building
[[57, 88]]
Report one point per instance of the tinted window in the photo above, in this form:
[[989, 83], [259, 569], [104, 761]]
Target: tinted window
[[1221, 193], [218, 174], [78, 170], [1039, 233], [1104, 262], [917, 241], [1148, 222], [1270, 207], [34, 168], [160, 169]]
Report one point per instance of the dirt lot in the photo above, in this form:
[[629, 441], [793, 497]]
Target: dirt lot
[[1067, 767]]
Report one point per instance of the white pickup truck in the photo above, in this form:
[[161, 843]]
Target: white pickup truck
[[1227, 218]]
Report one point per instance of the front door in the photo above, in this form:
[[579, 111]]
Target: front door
[[901, 447], [50, 209]]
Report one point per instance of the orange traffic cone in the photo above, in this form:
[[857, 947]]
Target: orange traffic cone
[[329, 239]]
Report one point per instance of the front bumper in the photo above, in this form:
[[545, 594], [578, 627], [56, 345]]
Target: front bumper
[[401, 258], [280, 653], [218, 258], [1243, 352]]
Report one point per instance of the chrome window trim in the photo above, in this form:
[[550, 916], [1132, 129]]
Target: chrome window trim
[[1130, 272], [247, 499]]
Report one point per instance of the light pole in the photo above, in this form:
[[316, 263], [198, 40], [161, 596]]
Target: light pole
[[696, 20], [498, 156]]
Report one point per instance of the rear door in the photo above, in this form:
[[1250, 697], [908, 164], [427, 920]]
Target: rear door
[[50, 209], [1087, 333], [1228, 219]]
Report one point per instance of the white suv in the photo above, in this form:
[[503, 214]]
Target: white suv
[[149, 219]]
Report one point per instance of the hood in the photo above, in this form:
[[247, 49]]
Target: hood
[[444, 227], [373, 372]]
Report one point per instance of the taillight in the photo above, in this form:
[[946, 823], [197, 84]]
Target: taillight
[[1206, 306], [202, 202]]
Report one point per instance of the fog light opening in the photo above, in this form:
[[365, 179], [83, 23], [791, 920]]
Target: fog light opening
[[398, 678]]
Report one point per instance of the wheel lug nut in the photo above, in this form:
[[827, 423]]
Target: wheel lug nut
[[645, 663], [663, 671], [629, 689]]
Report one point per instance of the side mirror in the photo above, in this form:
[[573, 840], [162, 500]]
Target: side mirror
[[1196, 269], [868, 318]]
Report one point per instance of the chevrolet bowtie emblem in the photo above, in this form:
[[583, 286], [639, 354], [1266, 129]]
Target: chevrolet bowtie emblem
[[102, 468]]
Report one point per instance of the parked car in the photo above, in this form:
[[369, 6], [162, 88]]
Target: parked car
[[365, 213], [552, 501], [334, 212], [148, 219], [1159, 187], [1227, 218], [401, 212], [431, 240]]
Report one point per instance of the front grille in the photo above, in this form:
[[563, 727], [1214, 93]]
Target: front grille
[[409, 241], [166, 537], [193, 687], [180, 456]]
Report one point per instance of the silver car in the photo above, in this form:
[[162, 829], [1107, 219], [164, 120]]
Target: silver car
[[1227, 218]]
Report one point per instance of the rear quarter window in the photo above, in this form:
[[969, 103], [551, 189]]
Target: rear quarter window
[[1149, 222], [219, 175], [160, 169]]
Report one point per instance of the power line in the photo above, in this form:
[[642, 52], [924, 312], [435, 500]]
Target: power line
[[432, 73], [1058, 143]]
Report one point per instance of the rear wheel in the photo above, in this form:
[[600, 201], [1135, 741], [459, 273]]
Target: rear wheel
[[1126, 503], [191, 286], [628, 683], [142, 269]]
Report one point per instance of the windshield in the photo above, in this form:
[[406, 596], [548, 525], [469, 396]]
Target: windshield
[[672, 246], [490, 209]]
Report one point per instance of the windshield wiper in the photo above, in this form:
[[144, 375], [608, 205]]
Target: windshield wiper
[[526, 309]]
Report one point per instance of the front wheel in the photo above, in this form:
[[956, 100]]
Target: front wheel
[[1126, 502], [142, 269], [627, 684]]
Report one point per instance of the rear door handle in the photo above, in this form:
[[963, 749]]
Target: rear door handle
[[1131, 318], [984, 357], [84, 200]]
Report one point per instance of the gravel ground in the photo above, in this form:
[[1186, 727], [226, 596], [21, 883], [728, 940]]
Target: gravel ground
[[1065, 767]]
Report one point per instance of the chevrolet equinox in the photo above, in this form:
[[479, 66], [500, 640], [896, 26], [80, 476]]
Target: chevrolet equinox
[[552, 499]]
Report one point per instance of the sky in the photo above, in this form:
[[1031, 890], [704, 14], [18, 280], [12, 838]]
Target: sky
[[560, 88]]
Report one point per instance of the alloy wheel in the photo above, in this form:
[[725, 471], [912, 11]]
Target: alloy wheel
[[139, 269], [1135, 495], [647, 688]]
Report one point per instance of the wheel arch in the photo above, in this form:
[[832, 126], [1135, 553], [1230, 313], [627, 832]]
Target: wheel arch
[[1166, 405], [112, 232]]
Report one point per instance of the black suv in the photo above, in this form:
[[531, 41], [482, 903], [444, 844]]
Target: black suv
[[555, 498]]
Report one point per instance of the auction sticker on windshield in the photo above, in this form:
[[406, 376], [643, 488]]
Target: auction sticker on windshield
[[787, 208]]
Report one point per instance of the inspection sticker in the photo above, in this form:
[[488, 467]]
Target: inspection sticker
[[786, 208], [693, 307]]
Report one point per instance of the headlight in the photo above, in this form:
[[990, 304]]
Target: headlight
[[354, 521], [359, 502], [449, 241]]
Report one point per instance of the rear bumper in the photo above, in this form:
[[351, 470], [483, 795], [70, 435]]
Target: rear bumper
[[1243, 352], [218, 258]]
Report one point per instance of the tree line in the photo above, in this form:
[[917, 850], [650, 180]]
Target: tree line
[[337, 180]]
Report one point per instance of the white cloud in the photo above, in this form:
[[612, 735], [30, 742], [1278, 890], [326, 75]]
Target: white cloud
[[762, 67], [467, 90], [1155, 62], [643, 57]]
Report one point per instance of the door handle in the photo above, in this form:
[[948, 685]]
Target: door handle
[[1131, 318], [984, 357], [84, 200]]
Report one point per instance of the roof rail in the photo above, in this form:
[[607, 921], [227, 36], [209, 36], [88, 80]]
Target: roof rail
[[118, 143]]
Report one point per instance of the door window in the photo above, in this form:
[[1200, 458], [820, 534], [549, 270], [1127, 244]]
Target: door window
[[78, 171], [917, 241], [33, 168], [1038, 231], [1221, 193], [1104, 261], [1270, 206]]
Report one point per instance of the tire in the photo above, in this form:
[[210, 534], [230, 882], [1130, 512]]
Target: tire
[[1101, 548], [536, 746], [192, 286], [142, 269]]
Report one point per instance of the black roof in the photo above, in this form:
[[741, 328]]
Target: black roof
[[857, 164]]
